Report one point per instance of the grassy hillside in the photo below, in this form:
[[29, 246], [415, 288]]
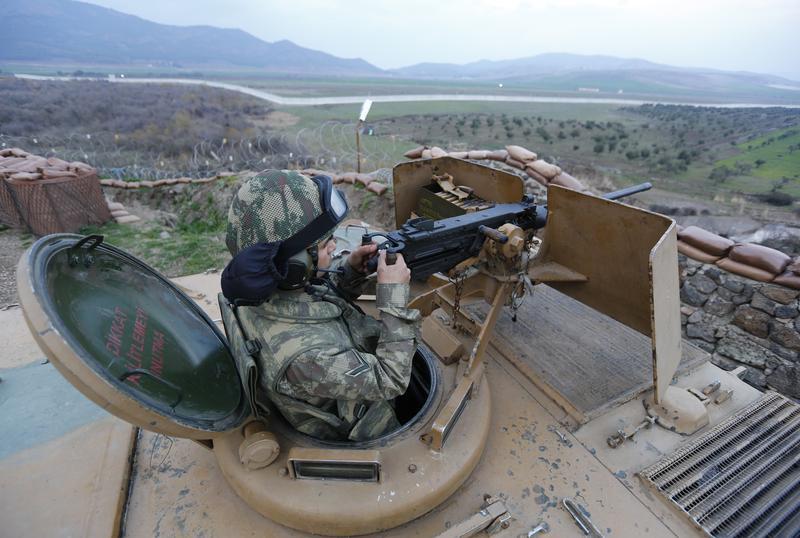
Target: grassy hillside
[[771, 162]]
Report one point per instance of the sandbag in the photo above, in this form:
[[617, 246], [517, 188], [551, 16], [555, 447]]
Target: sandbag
[[147, 184], [336, 179], [437, 152], [747, 271], [364, 179], [415, 153], [794, 266], [50, 173], [459, 154], [790, 279], [519, 153], [695, 253], [27, 165], [119, 213], [115, 206], [349, 177], [377, 188], [25, 176], [8, 162], [478, 154], [127, 219], [566, 180], [426, 154], [55, 162], [515, 163], [707, 241], [760, 256], [537, 176], [498, 155], [545, 168]]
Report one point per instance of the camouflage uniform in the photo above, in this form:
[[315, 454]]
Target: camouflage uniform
[[326, 366]]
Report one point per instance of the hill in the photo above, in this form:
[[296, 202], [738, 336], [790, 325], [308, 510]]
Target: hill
[[67, 31], [610, 74]]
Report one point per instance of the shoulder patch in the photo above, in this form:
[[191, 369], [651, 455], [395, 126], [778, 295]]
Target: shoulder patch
[[362, 367]]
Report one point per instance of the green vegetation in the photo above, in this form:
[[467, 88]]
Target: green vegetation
[[193, 244], [767, 163], [184, 251]]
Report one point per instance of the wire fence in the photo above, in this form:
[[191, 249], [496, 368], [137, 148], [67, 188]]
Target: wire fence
[[331, 145]]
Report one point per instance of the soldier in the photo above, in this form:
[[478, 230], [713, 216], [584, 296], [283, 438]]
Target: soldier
[[330, 369]]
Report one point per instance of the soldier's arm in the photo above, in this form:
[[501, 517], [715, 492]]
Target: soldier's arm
[[349, 374]]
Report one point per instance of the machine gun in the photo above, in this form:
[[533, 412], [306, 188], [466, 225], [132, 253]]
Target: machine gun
[[498, 270], [432, 246]]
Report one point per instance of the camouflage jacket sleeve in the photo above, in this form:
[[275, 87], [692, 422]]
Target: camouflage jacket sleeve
[[351, 282], [351, 374]]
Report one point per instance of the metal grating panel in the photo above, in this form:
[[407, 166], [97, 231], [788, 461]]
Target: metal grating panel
[[742, 477]]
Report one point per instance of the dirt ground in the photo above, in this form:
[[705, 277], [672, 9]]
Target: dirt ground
[[11, 248]]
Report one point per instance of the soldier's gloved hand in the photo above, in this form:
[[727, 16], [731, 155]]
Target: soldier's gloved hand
[[398, 273], [360, 256]]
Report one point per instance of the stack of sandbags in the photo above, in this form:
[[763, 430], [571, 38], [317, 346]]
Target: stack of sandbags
[[119, 184], [752, 261], [19, 165], [369, 181], [120, 214], [48, 195], [516, 156]]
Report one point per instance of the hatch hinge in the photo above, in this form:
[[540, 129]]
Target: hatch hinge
[[492, 518]]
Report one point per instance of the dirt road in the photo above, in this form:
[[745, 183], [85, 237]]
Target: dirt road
[[358, 99]]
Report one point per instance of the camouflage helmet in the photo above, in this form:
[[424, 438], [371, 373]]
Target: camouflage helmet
[[271, 206]]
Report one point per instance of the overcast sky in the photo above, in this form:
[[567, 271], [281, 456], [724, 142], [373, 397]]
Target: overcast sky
[[751, 35]]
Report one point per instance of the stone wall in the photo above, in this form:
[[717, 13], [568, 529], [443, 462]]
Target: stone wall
[[743, 322]]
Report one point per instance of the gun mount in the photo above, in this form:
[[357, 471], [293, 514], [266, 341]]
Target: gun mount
[[588, 252]]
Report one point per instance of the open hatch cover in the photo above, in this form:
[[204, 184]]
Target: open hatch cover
[[128, 338]]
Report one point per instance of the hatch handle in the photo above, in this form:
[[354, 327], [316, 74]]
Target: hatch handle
[[88, 258], [151, 375]]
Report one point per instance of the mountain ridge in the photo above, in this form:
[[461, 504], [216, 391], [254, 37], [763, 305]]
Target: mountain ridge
[[67, 30]]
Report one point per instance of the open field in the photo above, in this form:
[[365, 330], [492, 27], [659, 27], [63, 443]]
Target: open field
[[608, 84], [196, 131]]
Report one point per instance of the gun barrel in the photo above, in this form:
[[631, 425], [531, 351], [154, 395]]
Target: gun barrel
[[627, 191]]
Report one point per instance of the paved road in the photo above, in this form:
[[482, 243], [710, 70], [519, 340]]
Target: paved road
[[358, 99]]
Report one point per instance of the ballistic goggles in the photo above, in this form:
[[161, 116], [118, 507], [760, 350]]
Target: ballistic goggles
[[334, 209]]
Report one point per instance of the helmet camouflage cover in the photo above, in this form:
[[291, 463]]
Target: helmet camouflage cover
[[271, 206]]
